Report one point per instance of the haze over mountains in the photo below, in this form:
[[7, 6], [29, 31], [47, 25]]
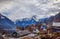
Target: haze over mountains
[[6, 23]]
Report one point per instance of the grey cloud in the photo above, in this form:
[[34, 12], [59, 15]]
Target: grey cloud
[[44, 1], [28, 8], [53, 10], [34, 9], [4, 0], [57, 4]]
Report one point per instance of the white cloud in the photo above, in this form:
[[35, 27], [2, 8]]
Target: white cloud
[[18, 9]]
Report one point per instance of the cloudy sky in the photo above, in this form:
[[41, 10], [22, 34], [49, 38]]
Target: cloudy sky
[[18, 9]]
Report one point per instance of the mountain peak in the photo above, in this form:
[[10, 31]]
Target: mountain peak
[[1, 14], [6, 23]]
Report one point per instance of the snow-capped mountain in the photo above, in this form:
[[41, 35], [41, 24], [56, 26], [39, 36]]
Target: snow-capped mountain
[[26, 21], [6, 23], [57, 18]]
